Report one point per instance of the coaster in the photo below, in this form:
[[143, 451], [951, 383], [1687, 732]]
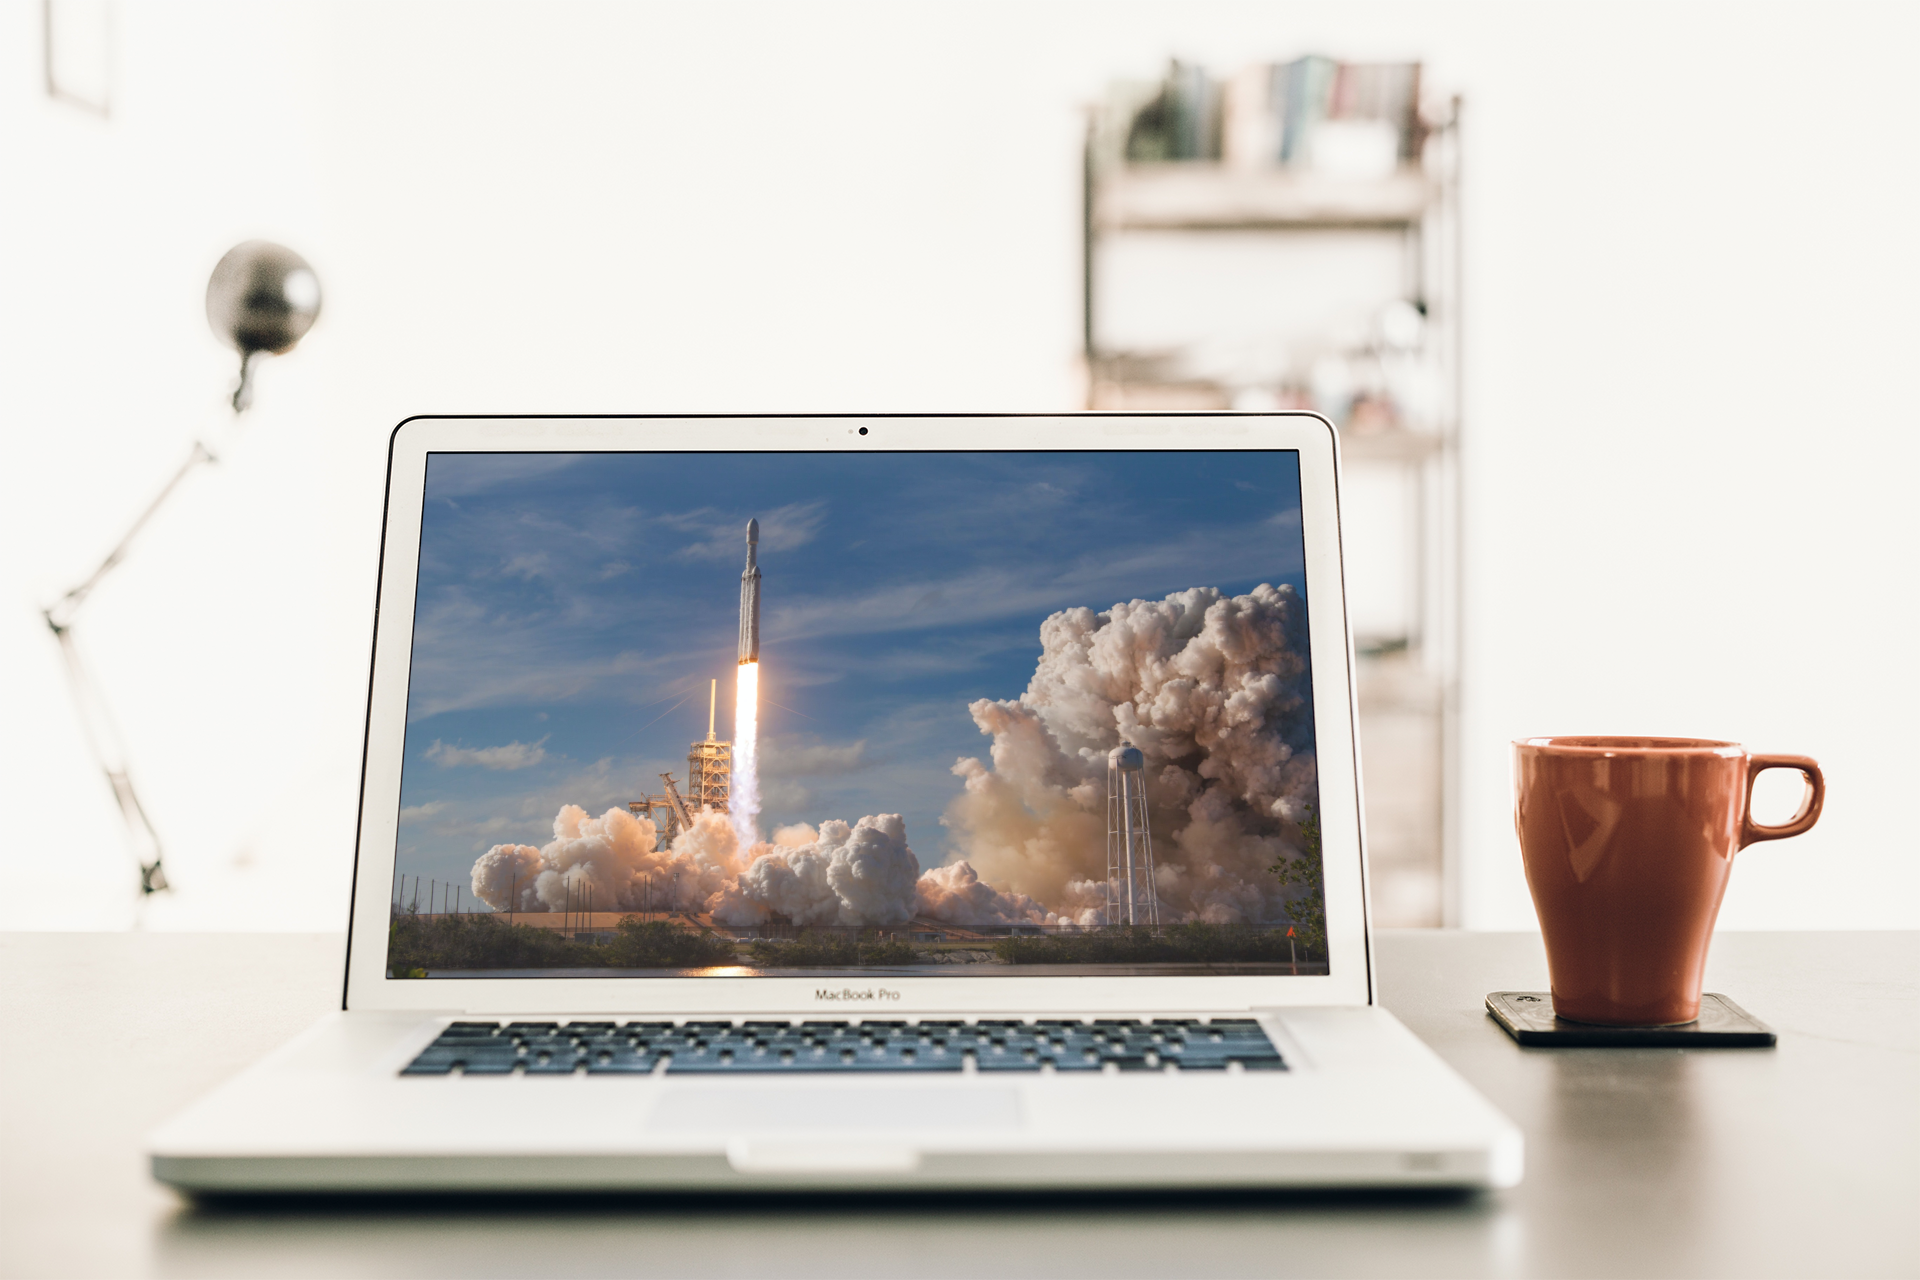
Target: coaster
[[1529, 1018]]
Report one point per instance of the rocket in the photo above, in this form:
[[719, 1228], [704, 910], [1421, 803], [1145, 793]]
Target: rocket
[[750, 599]]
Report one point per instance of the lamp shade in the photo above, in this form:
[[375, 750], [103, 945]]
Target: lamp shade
[[262, 297]]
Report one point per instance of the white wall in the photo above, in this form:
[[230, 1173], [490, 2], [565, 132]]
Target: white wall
[[1691, 291]]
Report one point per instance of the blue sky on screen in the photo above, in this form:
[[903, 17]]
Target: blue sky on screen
[[572, 610]]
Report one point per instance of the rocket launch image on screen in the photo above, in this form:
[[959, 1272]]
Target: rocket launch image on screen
[[980, 715]]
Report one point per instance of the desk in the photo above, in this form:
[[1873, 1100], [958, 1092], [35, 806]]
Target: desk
[[1798, 1161]]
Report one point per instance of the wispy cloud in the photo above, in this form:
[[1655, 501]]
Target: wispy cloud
[[422, 812], [512, 755], [470, 652], [481, 660], [784, 758], [723, 535], [463, 475], [530, 565], [979, 595]]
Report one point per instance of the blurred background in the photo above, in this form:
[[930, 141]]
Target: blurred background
[[1615, 303]]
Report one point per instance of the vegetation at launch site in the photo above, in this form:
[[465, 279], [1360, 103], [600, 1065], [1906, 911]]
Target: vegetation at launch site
[[420, 945], [831, 951], [1170, 944], [416, 945], [1194, 943], [1307, 909]]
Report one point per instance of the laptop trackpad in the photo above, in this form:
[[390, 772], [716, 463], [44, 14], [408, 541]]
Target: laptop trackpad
[[748, 1108]]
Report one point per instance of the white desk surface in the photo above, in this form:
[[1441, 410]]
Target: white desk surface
[[1798, 1161]]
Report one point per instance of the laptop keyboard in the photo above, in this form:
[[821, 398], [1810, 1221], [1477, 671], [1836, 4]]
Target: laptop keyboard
[[743, 1048]]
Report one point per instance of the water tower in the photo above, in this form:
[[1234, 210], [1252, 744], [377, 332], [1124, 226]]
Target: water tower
[[1130, 894]]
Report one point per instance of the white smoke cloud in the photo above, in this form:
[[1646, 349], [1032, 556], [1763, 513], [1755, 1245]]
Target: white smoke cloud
[[506, 877], [795, 836], [863, 874], [955, 894], [1214, 690], [614, 856]]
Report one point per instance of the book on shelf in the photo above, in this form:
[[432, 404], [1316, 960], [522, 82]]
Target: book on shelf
[[1351, 119], [1182, 121]]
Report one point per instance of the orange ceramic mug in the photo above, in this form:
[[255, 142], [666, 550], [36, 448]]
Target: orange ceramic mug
[[1627, 844]]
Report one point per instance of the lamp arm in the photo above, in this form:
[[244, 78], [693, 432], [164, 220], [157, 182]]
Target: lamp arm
[[96, 722], [103, 740], [60, 615]]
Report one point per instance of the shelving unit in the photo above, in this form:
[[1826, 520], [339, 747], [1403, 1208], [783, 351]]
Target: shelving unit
[[1401, 460], [1202, 196]]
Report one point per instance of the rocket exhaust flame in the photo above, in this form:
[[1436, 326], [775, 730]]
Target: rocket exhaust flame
[[744, 804]]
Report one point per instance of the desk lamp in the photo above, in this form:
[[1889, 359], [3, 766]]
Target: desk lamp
[[262, 299]]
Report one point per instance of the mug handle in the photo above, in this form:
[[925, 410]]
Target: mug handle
[[1752, 832]]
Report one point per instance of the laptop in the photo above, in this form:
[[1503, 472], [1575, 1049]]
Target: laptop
[[897, 802]]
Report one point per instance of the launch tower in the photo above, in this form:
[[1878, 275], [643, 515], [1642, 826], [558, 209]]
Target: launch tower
[[710, 766], [1130, 892]]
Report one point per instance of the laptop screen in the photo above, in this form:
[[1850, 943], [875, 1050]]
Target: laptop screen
[[823, 714]]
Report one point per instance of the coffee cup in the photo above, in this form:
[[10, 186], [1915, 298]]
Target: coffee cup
[[1628, 843]]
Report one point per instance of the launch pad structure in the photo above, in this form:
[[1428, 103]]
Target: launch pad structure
[[710, 765], [709, 783]]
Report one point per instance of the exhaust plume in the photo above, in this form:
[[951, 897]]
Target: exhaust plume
[[744, 801], [1213, 690]]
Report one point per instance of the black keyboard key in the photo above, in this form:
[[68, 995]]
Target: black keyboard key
[[1076, 1062], [552, 1066], [632, 1064], [1008, 1064]]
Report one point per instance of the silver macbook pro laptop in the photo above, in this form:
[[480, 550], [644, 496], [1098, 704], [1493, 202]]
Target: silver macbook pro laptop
[[856, 802]]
